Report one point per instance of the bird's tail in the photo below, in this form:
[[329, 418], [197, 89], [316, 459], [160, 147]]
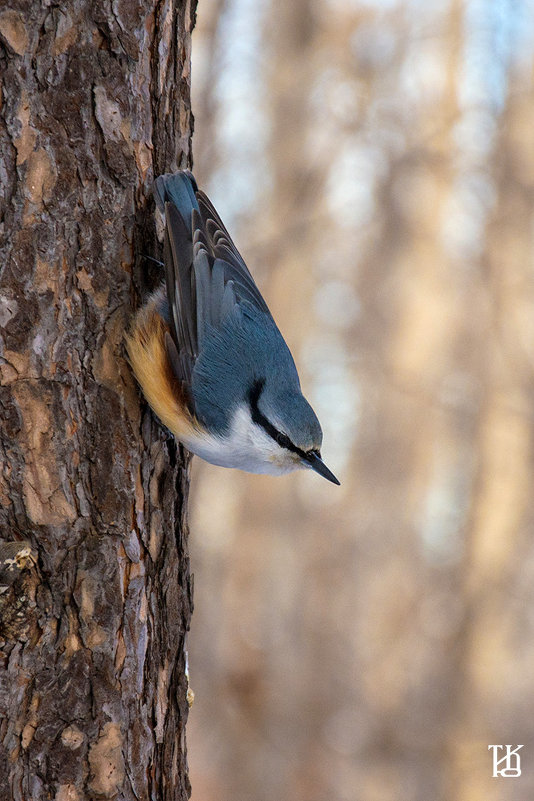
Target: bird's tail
[[178, 188]]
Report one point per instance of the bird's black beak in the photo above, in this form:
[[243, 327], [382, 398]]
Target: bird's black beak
[[317, 464]]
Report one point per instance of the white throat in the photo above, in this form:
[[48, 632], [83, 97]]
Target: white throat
[[246, 446]]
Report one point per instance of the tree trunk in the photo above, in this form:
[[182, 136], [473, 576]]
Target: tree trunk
[[95, 590]]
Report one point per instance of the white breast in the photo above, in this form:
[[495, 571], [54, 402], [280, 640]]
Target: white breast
[[246, 447]]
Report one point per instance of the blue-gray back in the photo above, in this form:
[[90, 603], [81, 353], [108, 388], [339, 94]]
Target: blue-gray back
[[248, 347], [224, 338]]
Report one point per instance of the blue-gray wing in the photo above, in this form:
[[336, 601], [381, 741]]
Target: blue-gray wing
[[210, 238], [207, 278]]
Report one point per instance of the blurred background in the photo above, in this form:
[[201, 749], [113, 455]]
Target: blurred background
[[374, 162]]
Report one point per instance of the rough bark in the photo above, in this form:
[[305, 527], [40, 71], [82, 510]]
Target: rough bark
[[95, 594]]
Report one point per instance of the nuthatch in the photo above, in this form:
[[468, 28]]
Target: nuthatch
[[208, 355]]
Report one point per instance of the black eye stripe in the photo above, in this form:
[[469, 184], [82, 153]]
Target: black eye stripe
[[283, 440], [258, 418]]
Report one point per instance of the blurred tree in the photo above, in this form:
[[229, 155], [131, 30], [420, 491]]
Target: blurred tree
[[93, 559], [371, 641]]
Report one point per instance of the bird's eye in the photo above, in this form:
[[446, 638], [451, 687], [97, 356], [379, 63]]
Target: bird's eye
[[283, 440]]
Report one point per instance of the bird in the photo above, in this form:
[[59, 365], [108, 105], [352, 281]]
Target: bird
[[208, 355]]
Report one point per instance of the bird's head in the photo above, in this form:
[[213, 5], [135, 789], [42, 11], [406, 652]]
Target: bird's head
[[293, 430]]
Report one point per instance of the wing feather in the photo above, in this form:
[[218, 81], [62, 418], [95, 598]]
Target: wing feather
[[222, 247], [206, 276]]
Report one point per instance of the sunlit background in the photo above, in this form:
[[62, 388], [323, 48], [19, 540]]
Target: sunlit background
[[375, 164]]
